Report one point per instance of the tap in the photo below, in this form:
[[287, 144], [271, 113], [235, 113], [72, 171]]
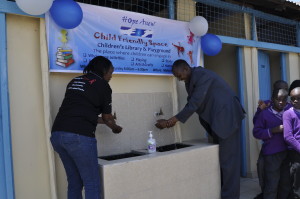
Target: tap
[[159, 113]]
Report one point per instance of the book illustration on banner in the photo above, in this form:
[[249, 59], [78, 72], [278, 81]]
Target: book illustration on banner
[[137, 32], [64, 57]]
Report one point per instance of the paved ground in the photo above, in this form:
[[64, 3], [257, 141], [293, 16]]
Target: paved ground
[[249, 188]]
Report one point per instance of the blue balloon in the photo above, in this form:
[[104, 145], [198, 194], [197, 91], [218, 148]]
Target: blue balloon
[[211, 44], [66, 13]]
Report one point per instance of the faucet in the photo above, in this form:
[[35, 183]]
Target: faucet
[[156, 114]]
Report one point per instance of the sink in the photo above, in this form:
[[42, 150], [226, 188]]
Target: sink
[[171, 147], [121, 156]]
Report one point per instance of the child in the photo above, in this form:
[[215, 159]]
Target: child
[[279, 84], [291, 123], [268, 127]]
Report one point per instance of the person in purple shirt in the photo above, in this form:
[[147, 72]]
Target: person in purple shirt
[[263, 104], [268, 127], [291, 123], [279, 84]]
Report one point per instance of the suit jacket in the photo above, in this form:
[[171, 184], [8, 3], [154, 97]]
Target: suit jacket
[[214, 101]]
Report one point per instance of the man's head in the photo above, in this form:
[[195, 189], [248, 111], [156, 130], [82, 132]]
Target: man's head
[[279, 98], [181, 70]]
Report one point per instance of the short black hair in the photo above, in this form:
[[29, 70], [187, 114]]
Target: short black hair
[[99, 65], [294, 84], [179, 63], [277, 84]]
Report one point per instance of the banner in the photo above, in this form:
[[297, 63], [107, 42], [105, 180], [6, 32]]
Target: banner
[[135, 43]]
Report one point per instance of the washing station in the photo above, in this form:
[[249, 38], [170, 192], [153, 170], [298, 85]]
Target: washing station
[[176, 171], [180, 169]]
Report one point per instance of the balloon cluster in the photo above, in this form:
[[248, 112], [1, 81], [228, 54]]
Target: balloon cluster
[[210, 43], [66, 13]]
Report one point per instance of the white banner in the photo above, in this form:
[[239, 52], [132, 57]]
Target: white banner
[[135, 43]]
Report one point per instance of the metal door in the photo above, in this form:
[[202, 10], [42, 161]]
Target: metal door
[[264, 76]]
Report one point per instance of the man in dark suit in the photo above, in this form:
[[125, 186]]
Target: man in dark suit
[[220, 113]]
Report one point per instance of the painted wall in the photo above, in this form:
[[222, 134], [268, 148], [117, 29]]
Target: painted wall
[[29, 141], [224, 64], [251, 94], [293, 66]]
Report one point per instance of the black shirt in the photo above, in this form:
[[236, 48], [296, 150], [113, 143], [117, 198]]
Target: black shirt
[[86, 97]]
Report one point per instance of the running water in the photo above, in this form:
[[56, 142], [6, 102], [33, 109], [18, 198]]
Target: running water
[[158, 138]]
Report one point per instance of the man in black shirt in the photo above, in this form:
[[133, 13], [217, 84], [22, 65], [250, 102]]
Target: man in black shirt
[[73, 130]]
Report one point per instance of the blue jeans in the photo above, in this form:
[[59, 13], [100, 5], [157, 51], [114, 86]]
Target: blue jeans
[[79, 157]]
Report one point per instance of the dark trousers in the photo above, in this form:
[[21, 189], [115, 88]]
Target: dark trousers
[[260, 170], [229, 154], [295, 173], [276, 176], [230, 160]]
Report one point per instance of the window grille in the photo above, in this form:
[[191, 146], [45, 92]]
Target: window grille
[[150, 7], [275, 32], [222, 21]]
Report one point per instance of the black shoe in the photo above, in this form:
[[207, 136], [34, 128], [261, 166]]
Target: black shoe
[[259, 196]]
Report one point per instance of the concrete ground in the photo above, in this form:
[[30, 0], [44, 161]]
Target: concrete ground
[[249, 188]]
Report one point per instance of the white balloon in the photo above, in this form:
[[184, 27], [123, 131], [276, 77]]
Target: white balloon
[[34, 7], [198, 26]]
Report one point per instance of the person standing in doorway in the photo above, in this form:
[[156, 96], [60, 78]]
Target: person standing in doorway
[[73, 130], [220, 113]]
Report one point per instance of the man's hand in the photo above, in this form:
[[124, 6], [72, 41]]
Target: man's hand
[[117, 129], [100, 120], [161, 124], [171, 122]]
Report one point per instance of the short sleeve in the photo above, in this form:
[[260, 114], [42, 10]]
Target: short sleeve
[[107, 100]]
